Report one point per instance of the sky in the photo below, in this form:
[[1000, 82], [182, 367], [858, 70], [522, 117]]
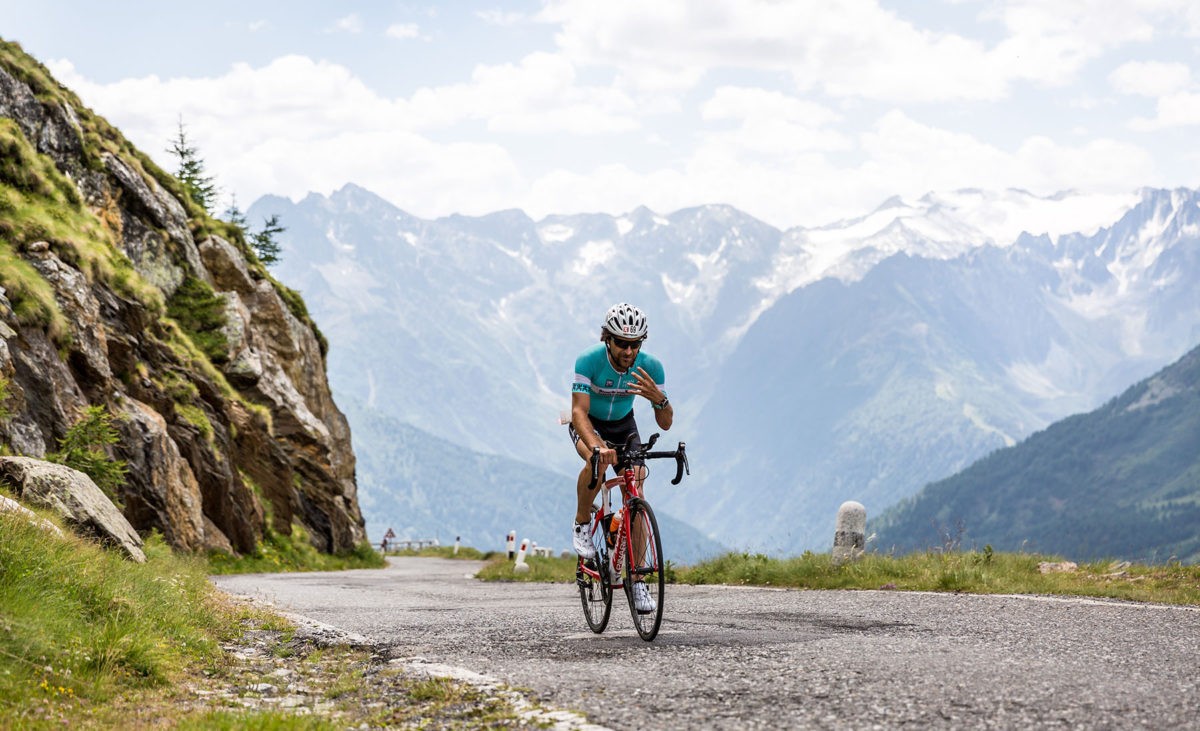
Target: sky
[[798, 112]]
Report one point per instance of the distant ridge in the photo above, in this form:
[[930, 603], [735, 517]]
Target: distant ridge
[[1120, 482]]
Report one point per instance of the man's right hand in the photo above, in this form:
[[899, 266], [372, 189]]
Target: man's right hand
[[607, 456]]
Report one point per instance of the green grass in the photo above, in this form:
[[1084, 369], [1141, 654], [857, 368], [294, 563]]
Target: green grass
[[80, 625], [90, 640], [465, 553], [278, 553], [977, 572]]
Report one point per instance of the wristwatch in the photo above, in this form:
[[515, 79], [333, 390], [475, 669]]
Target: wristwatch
[[662, 404]]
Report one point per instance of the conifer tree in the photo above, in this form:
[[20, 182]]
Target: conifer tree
[[199, 186], [234, 215], [266, 247]]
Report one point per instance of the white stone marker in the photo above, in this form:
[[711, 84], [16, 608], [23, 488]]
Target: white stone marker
[[849, 538], [521, 566]]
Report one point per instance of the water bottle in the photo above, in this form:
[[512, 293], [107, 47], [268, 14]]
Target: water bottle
[[614, 528]]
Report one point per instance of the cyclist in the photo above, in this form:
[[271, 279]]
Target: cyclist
[[608, 377]]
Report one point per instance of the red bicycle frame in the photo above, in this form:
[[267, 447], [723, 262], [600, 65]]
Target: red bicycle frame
[[630, 487]]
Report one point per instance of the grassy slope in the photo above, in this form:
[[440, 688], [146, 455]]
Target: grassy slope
[[982, 572], [82, 626], [90, 640]]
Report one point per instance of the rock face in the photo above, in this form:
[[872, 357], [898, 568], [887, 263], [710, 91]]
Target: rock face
[[74, 496], [217, 438]]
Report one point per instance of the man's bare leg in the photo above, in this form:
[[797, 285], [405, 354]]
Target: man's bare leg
[[583, 508]]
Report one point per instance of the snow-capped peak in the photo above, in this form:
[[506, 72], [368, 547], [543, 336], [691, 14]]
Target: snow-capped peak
[[938, 226]]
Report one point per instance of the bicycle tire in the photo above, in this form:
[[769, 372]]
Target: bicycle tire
[[595, 594], [648, 570]]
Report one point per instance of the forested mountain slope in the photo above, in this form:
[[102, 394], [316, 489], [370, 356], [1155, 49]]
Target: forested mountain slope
[[1120, 482]]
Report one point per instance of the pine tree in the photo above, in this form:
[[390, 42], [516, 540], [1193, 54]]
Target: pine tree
[[234, 215], [263, 241], [199, 186]]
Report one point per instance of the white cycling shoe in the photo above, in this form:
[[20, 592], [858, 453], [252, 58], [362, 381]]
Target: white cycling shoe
[[582, 542], [642, 601]]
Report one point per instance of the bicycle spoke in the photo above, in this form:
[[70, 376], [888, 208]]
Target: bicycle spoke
[[595, 593], [642, 568]]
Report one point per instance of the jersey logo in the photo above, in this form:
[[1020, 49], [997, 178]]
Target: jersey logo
[[608, 383]]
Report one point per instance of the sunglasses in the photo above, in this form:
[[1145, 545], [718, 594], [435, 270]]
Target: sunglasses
[[619, 344]]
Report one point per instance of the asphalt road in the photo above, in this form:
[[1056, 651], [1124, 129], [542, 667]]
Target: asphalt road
[[745, 658]]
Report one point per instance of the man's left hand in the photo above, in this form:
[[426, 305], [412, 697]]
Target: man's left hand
[[645, 386]]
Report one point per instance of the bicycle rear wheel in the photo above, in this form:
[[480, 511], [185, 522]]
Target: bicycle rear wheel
[[644, 565], [595, 594]]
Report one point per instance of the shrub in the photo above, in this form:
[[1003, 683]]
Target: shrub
[[201, 314], [83, 449]]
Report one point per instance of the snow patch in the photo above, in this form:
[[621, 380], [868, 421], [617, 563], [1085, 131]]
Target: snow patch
[[942, 226], [555, 233], [624, 225], [593, 254], [677, 292], [1003, 216], [338, 244]]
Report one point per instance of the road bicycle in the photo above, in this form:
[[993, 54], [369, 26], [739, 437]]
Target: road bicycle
[[627, 542]]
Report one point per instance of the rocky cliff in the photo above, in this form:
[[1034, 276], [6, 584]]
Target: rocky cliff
[[117, 291]]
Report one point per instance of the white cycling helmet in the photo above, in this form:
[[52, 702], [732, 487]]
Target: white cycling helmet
[[626, 321]]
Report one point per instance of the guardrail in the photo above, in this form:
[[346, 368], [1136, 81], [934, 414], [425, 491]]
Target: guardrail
[[393, 545]]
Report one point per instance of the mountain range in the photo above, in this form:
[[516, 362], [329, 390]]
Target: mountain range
[[857, 360]]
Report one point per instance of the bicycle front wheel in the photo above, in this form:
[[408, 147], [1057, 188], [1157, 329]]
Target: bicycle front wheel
[[643, 569], [595, 593]]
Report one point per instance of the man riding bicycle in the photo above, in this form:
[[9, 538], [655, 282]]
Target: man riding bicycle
[[608, 376]]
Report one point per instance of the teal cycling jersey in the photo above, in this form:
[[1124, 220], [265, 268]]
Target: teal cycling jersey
[[608, 387]]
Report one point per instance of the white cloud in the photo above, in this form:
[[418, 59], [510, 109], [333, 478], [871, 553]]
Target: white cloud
[[501, 18], [772, 125], [403, 31], [852, 48], [915, 158], [1174, 110], [734, 102], [1050, 42], [537, 95], [1150, 78], [296, 126], [796, 112], [349, 24]]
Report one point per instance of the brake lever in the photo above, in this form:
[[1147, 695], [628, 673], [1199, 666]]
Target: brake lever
[[595, 460], [681, 463]]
